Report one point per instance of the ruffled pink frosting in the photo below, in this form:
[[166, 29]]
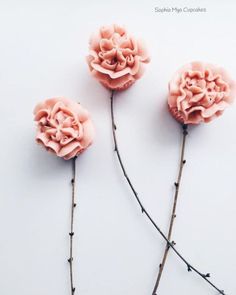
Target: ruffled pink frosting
[[115, 58], [199, 92], [64, 127]]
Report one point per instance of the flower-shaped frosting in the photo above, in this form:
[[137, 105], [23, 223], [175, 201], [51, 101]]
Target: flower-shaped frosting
[[199, 92], [115, 58], [64, 127]]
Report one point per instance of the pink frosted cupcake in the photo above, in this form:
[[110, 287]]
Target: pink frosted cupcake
[[200, 92], [64, 127], [116, 59]]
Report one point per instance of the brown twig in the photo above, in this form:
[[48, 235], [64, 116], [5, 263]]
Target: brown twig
[[71, 233], [145, 212], [173, 213]]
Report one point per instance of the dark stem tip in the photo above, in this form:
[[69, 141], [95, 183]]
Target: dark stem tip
[[185, 128]]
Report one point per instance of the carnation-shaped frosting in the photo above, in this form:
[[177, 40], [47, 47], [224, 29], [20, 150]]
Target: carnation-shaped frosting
[[115, 58], [64, 127], [200, 92]]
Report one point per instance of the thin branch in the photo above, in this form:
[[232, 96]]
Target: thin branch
[[173, 213], [145, 212], [71, 233]]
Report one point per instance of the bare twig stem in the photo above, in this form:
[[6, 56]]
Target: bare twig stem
[[71, 233], [173, 213], [145, 212]]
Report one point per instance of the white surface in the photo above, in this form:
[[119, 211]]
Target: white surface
[[42, 54]]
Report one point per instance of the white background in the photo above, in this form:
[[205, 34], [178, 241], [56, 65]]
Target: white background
[[42, 54]]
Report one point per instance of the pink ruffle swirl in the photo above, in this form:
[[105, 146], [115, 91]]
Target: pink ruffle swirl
[[64, 127], [200, 92], [115, 58]]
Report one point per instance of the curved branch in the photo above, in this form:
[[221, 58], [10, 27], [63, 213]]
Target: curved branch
[[173, 213], [145, 212]]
